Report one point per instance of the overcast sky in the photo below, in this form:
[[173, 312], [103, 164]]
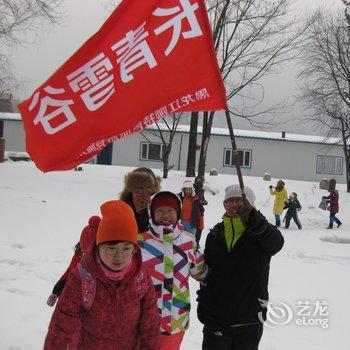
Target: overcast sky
[[34, 63]]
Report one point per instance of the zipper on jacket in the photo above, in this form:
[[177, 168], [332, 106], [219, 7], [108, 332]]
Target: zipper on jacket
[[118, 315], [233, 235]]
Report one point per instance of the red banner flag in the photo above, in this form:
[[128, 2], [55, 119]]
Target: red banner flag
[[149, 59]]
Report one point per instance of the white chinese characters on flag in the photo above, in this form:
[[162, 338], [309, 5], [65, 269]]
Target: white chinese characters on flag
[[149, 59]]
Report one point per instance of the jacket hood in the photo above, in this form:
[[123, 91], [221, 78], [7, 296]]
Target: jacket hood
[[160, 232]]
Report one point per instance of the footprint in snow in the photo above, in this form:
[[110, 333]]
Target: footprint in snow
[[18, 246]]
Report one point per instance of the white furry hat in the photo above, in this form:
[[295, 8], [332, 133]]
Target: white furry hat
[[187, 184], [235, 191]]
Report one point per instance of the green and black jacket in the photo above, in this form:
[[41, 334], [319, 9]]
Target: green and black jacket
[[237, 283]]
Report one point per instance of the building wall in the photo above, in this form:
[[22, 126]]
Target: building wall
[[127, 151], [14, 136], [288, 160], [281, 159]]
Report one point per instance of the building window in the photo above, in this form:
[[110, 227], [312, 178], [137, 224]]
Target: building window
[[244, 156], [151, 151], [329, 165]]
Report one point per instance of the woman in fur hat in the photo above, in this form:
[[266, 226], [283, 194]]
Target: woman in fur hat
[[140, 185]]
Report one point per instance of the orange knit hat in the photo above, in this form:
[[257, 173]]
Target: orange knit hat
[[118, 223]]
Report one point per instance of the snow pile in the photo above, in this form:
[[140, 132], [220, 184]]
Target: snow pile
[[42, 216]]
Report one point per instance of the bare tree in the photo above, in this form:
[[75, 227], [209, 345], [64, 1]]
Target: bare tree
[[7, 81], [166, 135], [325, 78], [18, 18], [252, 38], [192, 146]]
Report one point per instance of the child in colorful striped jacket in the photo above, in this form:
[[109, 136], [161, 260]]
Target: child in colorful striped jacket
[[170, 256]]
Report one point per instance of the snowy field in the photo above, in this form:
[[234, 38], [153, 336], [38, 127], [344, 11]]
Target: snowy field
[[42, 216]]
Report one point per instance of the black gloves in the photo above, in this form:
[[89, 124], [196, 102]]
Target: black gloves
[[253, 219], [270, 187], [51, 301], [245, 211], [57, 289], [77, 247]]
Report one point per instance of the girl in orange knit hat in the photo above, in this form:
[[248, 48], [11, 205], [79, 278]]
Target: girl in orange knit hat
[[109, 300]]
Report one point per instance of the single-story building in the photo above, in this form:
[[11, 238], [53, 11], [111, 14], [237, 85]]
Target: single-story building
[[13, 132], [285, 156]]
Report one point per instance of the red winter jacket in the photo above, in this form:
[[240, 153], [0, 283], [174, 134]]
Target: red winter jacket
[[333, 199], [197, 211], [117, 320]]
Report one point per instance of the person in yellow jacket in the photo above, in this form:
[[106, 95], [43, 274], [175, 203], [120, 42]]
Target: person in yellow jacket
[[281, 197]]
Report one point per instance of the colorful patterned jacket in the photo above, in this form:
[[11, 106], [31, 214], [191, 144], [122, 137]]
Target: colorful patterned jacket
[[170, 256]]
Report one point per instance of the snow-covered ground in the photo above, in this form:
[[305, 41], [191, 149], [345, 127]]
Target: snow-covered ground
[[41, 217]]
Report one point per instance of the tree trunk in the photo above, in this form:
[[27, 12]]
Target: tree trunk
[[165, 165], [165, 169], [346, 151], [204, 146], [180, 150], [166, 154], [192, 146], [347, 166], [207, 124]]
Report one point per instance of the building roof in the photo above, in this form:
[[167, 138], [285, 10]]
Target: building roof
[[258, 134], [10, 116], [253, 134]]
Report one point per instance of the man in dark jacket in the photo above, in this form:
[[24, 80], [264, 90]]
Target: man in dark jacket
[[232, 300]]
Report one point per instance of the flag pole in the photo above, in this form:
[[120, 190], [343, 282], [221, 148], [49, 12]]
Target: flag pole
[[235, 151]]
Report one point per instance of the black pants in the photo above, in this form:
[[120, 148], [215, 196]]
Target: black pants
[[198, 235], [236, 338]]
